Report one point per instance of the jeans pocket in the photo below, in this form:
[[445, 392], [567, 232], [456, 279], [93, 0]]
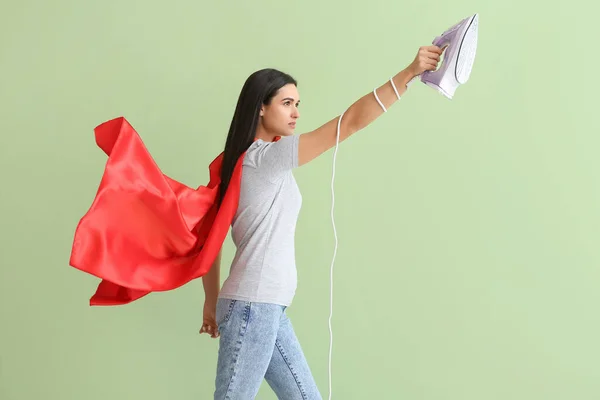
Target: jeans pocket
[[224, 311]]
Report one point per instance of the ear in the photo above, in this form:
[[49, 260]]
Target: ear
[[262, 111]]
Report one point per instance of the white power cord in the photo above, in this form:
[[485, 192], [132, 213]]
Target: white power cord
[[337, 142]]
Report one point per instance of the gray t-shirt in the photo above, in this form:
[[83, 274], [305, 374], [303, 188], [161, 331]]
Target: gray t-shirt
[[263, 228]]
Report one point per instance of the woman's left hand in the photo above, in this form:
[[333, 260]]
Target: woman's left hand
[[209, 323]]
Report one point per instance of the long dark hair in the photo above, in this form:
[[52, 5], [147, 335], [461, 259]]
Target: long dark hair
[[259, 89]]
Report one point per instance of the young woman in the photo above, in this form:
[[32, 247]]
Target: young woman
[[257, 340]]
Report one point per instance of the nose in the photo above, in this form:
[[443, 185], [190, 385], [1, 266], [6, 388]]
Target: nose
[[296, 113]]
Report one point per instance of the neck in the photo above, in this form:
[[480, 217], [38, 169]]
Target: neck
[[263, 134]]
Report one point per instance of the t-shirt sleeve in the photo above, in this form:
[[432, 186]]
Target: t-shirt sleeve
[[278, 157]]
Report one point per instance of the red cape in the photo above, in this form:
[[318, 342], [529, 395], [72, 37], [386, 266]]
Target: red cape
[[144, 231]]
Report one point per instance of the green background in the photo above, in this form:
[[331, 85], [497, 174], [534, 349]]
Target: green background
[[468, 229]]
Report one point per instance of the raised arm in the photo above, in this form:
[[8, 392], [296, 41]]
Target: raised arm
[[366, 109]]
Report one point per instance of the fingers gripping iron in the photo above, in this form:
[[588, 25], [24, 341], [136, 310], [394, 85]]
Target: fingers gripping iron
[[460, 41]]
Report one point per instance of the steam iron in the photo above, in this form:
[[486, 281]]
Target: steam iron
[[460, 41]]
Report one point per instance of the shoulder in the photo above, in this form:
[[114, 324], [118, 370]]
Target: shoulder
[[255, 152], [261, 152]]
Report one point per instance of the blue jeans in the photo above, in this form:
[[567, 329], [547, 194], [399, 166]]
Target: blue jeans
[[257, 342]]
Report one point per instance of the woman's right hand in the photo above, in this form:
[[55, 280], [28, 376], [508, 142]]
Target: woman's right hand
[[209, 320], [427, 59]]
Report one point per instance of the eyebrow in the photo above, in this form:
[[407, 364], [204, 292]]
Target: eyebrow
[[289, 98]]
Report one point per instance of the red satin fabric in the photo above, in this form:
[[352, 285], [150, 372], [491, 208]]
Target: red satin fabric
[[144, 231]]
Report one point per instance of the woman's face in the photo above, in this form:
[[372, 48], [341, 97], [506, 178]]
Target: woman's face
[[279, 117]]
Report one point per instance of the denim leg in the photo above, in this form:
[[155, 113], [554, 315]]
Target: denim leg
[[248, 332], [289, 374]]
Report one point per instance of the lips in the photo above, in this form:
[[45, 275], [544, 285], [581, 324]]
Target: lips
[[292, 124]]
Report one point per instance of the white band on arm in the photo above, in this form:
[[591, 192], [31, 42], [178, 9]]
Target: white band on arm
[[379, 101], [394, 86], [395, 91]]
